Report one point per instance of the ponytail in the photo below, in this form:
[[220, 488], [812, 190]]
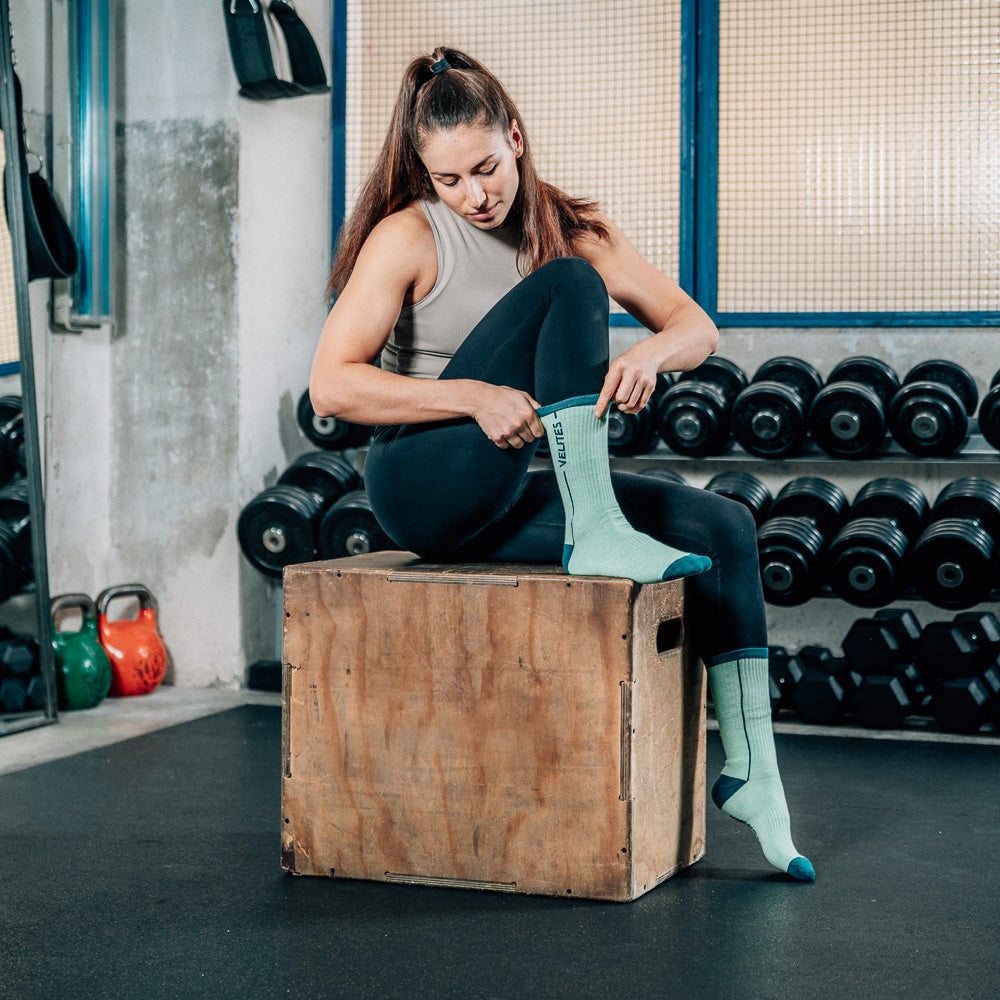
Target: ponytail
[[460, 92]]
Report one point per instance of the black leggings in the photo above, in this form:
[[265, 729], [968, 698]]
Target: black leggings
[[446, 492]]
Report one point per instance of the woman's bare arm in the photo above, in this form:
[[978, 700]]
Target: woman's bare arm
[[683, 334], [344, 382]]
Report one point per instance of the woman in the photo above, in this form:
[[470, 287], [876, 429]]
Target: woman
[[484, 292]]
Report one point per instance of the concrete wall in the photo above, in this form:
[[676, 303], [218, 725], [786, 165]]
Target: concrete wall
[[160, 427]]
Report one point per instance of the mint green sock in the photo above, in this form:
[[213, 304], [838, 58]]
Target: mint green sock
[[599, 540], [749, 788]]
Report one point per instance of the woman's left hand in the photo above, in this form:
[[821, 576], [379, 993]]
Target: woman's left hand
[[631, 379]]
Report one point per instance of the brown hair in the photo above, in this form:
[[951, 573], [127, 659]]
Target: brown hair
[[467, 93]]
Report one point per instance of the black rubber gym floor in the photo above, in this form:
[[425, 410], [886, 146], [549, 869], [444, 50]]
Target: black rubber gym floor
[[150, 869]]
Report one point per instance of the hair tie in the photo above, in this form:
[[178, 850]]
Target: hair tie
[[440, 66]]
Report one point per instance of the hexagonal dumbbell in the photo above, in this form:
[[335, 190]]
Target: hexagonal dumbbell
[[805, 515], [962, 659], [821, 695], [929, 414], [635, 433], [880, 652], [866, 561], [879, 644], [770, 416], [847, 417], [785, 672], [746, 489], [952, 563], [692, 416], [962, 647], [964, 704], [19, 660], [966, 692]]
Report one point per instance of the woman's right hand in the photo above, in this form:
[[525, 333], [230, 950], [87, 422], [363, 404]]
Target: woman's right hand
[[507, 416]]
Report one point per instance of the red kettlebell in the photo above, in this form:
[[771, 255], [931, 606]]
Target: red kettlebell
[[134, 647]]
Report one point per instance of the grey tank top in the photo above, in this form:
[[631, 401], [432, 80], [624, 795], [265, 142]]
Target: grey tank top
[[476, 268]]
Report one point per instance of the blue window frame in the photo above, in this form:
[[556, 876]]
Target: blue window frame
[[699, 184]]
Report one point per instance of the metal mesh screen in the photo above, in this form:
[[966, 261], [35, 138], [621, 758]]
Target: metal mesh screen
[[597, 83], [858, 145]]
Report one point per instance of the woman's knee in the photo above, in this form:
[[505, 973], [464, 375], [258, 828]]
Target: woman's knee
[[576, 275], [734, 531]]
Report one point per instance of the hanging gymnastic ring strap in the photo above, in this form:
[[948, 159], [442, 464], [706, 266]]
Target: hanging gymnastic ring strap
[[250, 48]]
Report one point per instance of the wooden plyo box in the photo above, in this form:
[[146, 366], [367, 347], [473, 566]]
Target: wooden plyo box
[[489, 726]]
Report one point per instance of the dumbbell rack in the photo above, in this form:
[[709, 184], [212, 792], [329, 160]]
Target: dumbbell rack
[[829, 618], [929, 474]]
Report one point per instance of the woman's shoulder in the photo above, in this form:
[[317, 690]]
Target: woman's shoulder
[[604, 242], [407, 224], [403, 243], [403, 235]]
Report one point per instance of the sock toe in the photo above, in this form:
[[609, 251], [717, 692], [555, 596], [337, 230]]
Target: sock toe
[[688, 565], [801, 869]]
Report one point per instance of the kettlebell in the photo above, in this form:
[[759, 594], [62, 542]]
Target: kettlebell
[[83, 671], [134, 647]]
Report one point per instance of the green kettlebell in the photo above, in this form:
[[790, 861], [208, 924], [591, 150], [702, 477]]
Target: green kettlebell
[[83, 671]]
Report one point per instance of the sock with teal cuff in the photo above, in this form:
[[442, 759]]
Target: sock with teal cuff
[[599, 540], [749, 788]]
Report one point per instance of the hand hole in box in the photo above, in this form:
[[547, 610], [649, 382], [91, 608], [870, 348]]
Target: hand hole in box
[[669, 635]]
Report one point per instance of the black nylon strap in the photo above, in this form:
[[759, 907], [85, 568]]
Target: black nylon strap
[[303, 56], [250, 48], [52, 251]]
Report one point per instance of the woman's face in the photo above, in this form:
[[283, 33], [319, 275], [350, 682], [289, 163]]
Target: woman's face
[[474, 171]]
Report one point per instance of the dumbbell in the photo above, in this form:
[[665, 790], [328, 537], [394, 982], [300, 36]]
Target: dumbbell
[[953, 563], [804, 516], [635, 433], [280, 525], [929, 414], [989, 414], [959, 647], [745, 489], [784, 672], [11, 577], [821, 695], [330, 433], [847, 417], [959, 659], [966, 704], [866, 561], [769, 417], [692, 416], [18, 656], [12, 455], [13, 694], [329, 476], [349, 528], [881, 651], [667, 475], [15, 517], [18, 662]]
